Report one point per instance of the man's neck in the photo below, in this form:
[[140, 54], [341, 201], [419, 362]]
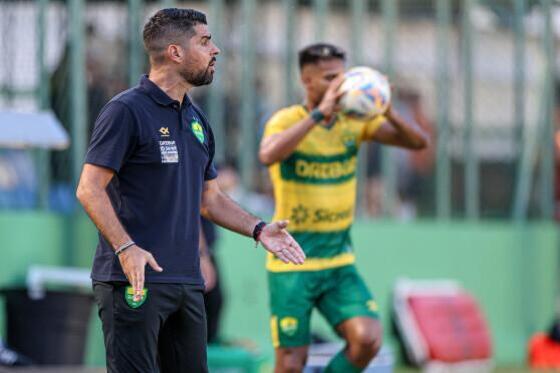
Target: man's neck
[[170, 82]]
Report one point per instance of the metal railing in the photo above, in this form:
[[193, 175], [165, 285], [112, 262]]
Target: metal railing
[[259, 42]]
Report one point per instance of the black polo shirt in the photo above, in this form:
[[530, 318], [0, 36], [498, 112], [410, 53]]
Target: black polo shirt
[[162, 153]]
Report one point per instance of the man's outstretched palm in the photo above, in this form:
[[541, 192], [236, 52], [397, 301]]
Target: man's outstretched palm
[[276, 239]]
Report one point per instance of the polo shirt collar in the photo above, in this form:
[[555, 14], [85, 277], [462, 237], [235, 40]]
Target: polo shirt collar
[[157, 94]]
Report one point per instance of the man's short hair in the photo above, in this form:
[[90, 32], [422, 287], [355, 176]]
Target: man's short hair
[[315, 53], [168, 26]]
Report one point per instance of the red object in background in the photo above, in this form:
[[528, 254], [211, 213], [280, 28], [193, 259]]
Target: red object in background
[[544, 353], [452, 326]]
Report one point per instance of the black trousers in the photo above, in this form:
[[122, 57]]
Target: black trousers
[[166, 334]]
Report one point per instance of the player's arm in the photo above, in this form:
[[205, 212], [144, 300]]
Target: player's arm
[[399, 132], [279, 146], [92, 194], [222, 210]]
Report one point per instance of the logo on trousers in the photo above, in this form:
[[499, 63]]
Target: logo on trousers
[[129, 297]]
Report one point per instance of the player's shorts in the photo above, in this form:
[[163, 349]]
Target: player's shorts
[[338, 293]]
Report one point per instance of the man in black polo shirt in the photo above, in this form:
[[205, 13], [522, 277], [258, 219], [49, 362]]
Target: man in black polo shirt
[[148, 175]]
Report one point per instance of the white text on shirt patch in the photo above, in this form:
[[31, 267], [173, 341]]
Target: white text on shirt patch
[[168, 151]]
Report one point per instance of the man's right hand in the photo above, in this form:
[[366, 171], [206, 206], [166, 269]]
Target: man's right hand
[[328, 105], [133, 262]]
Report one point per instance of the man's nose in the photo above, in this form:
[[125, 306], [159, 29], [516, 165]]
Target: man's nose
[[216, 50]]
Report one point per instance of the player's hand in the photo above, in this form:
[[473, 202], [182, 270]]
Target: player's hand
[[208, 273], [133, 262], [276, 239], [389, 112], [328, 105], [391, 115]]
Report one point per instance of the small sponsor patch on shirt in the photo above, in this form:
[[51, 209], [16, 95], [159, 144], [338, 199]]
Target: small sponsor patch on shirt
[[168, 150]]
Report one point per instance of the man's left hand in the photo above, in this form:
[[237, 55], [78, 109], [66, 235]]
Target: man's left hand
[[276, 239], [208, 273]]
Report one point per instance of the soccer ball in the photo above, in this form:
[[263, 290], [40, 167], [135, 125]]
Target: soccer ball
[[366, 93]]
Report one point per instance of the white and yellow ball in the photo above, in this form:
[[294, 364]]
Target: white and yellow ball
[[366, 93]]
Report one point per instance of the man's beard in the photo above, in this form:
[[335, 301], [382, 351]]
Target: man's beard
[[198, 78]]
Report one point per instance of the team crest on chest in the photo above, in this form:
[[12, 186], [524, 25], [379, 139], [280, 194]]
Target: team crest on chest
[[196, 128], [348, 139]]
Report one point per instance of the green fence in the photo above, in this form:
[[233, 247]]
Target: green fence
[[473, 71]]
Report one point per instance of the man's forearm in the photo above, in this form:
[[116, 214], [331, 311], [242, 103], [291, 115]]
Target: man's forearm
[[100, 210], [282, 145], [413, 135], [225, 212]]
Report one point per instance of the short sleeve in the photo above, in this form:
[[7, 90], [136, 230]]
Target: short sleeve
[[277, 124], [114, 137], [372, 126], [210, 171]]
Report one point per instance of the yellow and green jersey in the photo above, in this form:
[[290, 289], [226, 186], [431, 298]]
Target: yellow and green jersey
[[315, 188]]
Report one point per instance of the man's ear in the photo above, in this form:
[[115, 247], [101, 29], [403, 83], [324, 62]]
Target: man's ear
[[175, 52], [305, 79]]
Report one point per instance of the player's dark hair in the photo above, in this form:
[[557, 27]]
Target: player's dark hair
[[315, 53], [168, 26]]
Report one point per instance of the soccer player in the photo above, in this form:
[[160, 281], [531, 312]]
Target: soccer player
[[311, 150], [148, 175]]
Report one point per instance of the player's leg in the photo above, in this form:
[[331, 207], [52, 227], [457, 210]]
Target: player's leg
[[182, 340], [290, 359], [130, 328], [291, 302], [350, 308], [363, 336]]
